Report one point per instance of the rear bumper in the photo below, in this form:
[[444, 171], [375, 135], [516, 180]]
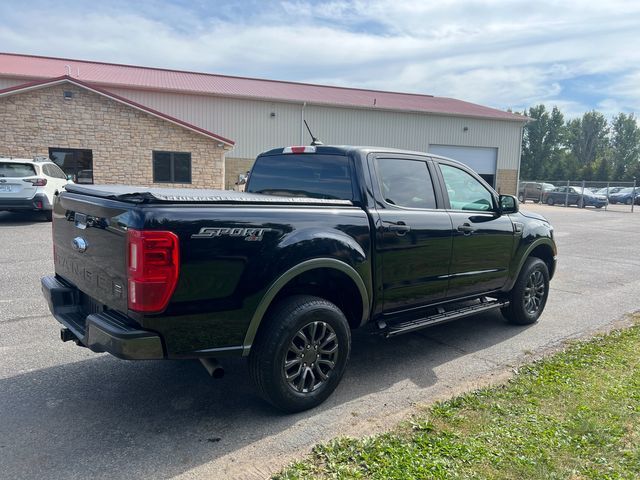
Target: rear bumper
[[38, 202], [105, 331]]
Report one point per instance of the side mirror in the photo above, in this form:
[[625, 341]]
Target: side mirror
[[509, 204]]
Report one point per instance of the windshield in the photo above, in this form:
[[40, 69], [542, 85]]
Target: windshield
[[11, 169], [302, 175]]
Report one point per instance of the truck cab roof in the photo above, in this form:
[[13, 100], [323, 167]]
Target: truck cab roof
[[347, 149]]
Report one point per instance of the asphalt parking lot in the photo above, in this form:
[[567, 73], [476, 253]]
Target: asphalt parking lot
[[68, 413]]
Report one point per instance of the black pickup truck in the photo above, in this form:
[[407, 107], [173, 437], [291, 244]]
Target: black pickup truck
[[324, 240]]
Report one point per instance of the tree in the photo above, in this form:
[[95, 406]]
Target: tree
[[625, 146], [587, 139], [541, 142], [602, 170]]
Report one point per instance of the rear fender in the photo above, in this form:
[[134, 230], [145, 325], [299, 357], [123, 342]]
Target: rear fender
[[289, 275]]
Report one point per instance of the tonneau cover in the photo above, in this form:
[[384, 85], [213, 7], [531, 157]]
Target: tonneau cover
[[133, 194]]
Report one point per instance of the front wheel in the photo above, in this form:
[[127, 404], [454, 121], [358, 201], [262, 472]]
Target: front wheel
[[529, 295], [550, 201], [300, 353]]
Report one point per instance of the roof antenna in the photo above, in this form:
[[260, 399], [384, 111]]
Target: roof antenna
[[314, 140]]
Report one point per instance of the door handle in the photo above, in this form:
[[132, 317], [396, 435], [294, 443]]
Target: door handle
[[466, 228], [400, 228]]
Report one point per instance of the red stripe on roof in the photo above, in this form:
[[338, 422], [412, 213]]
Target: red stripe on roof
[[65, 78], [131, 76]]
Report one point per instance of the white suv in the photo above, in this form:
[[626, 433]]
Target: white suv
[[30, 184]]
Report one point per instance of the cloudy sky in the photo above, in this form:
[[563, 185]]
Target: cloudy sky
[[579, 55]]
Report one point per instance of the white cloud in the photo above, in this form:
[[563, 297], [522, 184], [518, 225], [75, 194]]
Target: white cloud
[[496, 52]]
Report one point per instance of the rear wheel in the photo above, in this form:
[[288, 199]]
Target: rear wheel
[[48, 215], [529, 295], [550, 201], [300, 353], [521, 198], [627, 201]]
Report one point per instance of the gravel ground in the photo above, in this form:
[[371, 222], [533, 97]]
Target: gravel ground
[[68, 413]]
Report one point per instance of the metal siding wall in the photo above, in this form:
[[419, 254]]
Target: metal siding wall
[[249, 123], [415, 131]]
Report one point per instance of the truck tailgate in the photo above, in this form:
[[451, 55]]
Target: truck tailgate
[[90, 245]]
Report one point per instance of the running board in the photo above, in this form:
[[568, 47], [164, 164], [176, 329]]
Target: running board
[[391, 330]]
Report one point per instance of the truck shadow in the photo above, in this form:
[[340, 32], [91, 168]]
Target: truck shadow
[[102, 417], [15, 219]]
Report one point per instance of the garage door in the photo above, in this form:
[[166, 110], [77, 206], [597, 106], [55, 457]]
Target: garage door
[[483, 160]]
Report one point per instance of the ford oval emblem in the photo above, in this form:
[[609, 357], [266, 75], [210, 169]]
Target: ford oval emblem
[[79, 244]]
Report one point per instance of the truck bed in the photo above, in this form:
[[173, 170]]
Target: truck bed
[[136, 194]]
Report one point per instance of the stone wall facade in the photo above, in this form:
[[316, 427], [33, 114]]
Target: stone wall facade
[[235, 167], [507, 182], [122, 138]]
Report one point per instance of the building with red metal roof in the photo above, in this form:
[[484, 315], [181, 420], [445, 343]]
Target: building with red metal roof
[[259, 114]]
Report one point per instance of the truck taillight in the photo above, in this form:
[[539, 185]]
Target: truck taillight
[[36, 182], [153, 267]]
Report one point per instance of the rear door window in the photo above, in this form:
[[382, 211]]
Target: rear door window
[[302, 175], [405, 183], [10, 169], [56, 171]]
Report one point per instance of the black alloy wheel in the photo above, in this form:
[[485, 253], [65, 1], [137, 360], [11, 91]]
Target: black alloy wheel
[[311, 357], [534, 292], [528, 297], [300, 352]]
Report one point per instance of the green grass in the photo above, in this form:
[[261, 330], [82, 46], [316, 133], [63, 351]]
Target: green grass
[[575, 415]]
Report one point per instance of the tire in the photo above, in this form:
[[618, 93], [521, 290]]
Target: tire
[[599, 206], [627, 201], [521, 198], [523, 309], [48, 215], [279, 341], [550, 201]]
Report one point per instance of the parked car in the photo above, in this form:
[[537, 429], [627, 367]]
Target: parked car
[[533, 191], [30, 185], [626, 196], [382, 239], [576, 196], [609, 191]]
